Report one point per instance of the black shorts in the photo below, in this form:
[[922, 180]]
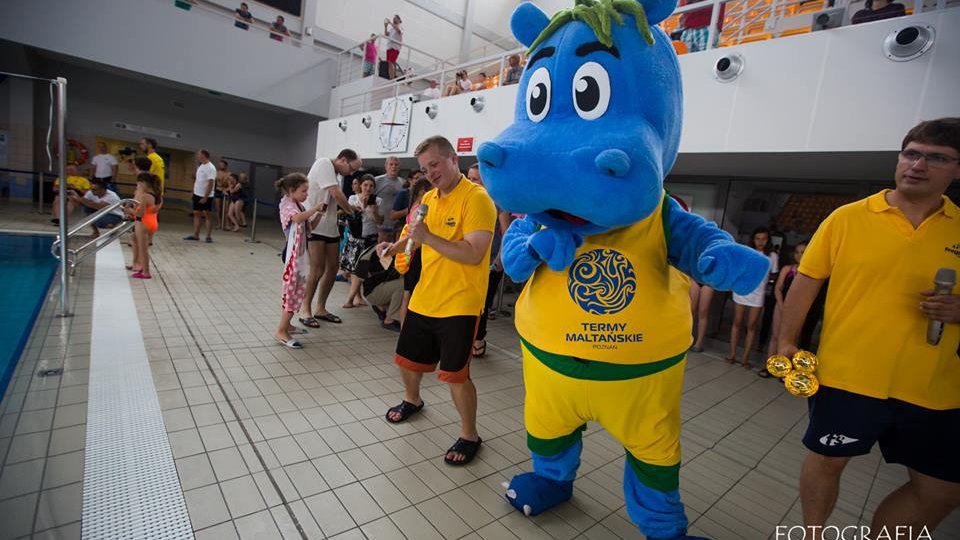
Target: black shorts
[[844, 424], [427, 341], [322, 238], [201, 206]]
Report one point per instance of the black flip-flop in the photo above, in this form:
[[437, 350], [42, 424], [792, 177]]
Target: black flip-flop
[[467, 448], [481, 351], [329, 317], [381, 314], [312, 322], [406, 410]]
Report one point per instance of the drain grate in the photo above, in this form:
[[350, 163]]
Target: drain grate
[[130, 483]]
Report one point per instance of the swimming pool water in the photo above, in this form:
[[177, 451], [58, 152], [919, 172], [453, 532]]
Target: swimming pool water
[[26, 268]]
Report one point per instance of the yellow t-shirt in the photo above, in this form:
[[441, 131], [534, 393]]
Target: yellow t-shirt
[[874, 335], [157, 168], [618, 302], [448, 288], [74, 182]]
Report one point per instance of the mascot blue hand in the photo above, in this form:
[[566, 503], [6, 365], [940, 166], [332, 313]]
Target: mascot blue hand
[[556, 248], [519, 261], [733, 267]]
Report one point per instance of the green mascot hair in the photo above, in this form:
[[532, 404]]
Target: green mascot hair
[[599, 15]]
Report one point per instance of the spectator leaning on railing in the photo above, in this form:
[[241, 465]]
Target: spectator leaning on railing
[[878, 10], [279, 29], [244, 17], [514, 70]]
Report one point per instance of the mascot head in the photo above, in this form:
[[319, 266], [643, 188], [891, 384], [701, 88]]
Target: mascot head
[[597, 120]]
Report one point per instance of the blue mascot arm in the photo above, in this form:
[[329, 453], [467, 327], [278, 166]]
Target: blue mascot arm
[[519, 261], [698, 248], [526, 245]]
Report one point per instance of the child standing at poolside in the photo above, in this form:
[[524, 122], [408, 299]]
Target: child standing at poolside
[[296, 223], [148, 198]]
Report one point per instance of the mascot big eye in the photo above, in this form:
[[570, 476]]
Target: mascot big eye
[[604, 318]]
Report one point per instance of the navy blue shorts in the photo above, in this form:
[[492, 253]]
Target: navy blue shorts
[[844, 424]]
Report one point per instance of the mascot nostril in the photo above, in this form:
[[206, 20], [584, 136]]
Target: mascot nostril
[[605, 253], [491, 154], [613, 162]]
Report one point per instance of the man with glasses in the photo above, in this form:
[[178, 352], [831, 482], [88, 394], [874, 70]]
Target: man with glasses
[[323, 186], [881, 382]]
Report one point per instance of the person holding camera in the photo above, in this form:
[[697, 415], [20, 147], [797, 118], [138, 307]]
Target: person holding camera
[[363, 226]]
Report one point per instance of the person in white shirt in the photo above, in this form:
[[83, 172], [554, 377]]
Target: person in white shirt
[[324, 240], [433, 92], [97, 197], [105, 166], [203, 195], [394, 33]]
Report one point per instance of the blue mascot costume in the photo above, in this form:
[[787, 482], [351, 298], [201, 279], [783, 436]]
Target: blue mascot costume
[[604, 319]]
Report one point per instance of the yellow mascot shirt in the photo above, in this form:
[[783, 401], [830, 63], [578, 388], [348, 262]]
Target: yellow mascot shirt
[[618, 302]]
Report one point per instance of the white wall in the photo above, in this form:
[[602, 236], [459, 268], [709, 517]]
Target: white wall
[[194, 47], [96, 100], [828, 92]]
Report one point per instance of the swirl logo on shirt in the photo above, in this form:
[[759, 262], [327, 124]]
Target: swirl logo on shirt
[[602, 282]]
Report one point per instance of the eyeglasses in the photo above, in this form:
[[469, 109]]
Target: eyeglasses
[[937, 161]]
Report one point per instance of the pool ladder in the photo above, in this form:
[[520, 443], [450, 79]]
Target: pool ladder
[[76, 255]]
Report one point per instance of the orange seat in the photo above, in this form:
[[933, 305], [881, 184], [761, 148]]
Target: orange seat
[[755, 37], [795, 31], [680, 47]]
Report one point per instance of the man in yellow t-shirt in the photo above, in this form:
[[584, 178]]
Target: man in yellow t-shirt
[[76, 183], [149, 147], [881, 381], [455, 238]]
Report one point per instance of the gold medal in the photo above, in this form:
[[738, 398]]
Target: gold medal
[[801, 384], [805, 362], [779, 365]]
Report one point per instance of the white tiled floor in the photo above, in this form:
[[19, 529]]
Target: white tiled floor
[[270, 442]]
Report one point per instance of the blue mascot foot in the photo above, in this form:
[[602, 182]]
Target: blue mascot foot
[[533, 494]]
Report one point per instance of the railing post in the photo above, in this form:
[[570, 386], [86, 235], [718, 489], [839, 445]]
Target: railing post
[[714, 17], [40, 195], [61, 84], [253, 225], [500, 73], [500, 310]]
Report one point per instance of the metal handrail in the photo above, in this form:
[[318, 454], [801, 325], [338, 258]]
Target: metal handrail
[[40, 181], [394, 87], [351, 54], [76, 255], [260, 26]]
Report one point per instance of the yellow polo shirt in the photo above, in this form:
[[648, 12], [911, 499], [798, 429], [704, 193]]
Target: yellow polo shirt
[[448, 288], [157, 168], [74, 182], [874, 335]]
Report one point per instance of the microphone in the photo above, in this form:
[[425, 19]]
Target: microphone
[[943, 283], [421, 213]]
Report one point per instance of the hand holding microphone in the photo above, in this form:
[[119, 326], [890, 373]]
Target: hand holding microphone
[[941, 307], [421, 214]]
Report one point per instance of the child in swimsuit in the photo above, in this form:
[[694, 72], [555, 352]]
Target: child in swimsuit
[[145, 213]]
